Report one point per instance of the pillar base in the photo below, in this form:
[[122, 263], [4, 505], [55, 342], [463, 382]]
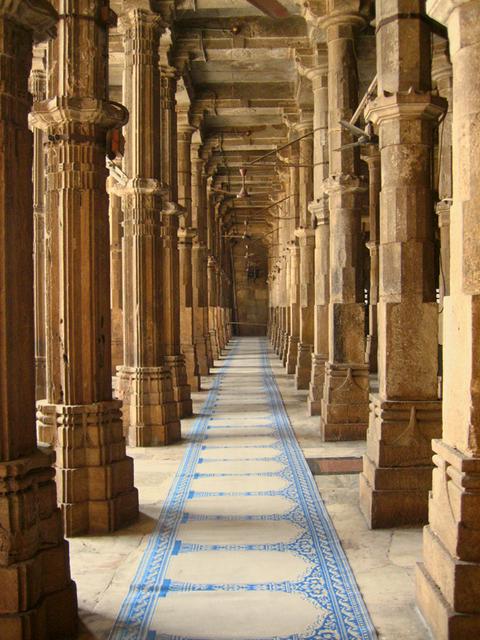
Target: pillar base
[[191, 366], [181, 388], [38, 596], [397, 466], [304, 366], [291, 354], [345, 402], [448, 581], [93, 473], [317, 381], [149, 409]]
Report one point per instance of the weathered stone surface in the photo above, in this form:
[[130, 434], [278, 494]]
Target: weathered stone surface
[[38, 597], [406, 414], [76, 117]]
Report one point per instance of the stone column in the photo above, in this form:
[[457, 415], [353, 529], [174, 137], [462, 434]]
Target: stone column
[[345, 400], [94, 475], [448, 580], [145, 383], [306, 242], [36, 602], [212, 305], [319, 208], [306, 248], [38, 91], [371, 155], [185, 239], [116, 284], [174, 358], [405, 414], [293, 282], [442, 76], [199, 263]]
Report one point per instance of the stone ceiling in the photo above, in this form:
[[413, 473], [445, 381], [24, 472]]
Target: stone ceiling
[[239, 84]]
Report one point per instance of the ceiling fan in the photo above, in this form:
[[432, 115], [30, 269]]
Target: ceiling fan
[[271, 8], [365, 136], [243, 193]]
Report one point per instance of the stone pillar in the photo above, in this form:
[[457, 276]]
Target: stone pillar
[[116, 284], [185, 239], [319, 209], [306, 242], [442, 76], [145, 383], [371, 155], [405, 414], [212, 305], [94, 475], [38, 595], [199, 264], [174, 358], [38, 91], [293, 282], [345, 400], [448, 580]]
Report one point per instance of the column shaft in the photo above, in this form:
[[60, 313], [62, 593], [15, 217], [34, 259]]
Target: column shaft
[[448, 581], [345, 400], [185, 239], [116, 282], [306, 242], [199, 264], [145, 383], [30, 522], [319, 209], [174, 358], [94, 475], [38, 90], [405, 414], [371, 155]]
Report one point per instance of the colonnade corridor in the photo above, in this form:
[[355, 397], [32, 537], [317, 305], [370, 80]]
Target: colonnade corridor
[[239, 319], [234, 540]]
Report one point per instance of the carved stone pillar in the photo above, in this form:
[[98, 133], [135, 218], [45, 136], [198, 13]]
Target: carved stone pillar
[[345, 400], [199, 263], [38, 91], [405, 414], [212, 305], [174, 358], [319, 209], [371, 155], [34, 563], [116, 284], [185, 239], [448, 581], [287, 342], [306, 242], [145, 383], [442, 76], [293, 282], [94, 475]]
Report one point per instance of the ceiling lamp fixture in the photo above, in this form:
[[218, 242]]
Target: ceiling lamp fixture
[[243, 193]]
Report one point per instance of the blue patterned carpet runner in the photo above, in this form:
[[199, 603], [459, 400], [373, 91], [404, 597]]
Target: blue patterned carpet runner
[[244, 548]]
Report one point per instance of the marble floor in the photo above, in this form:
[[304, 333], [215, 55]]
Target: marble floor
[[382, 561]]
